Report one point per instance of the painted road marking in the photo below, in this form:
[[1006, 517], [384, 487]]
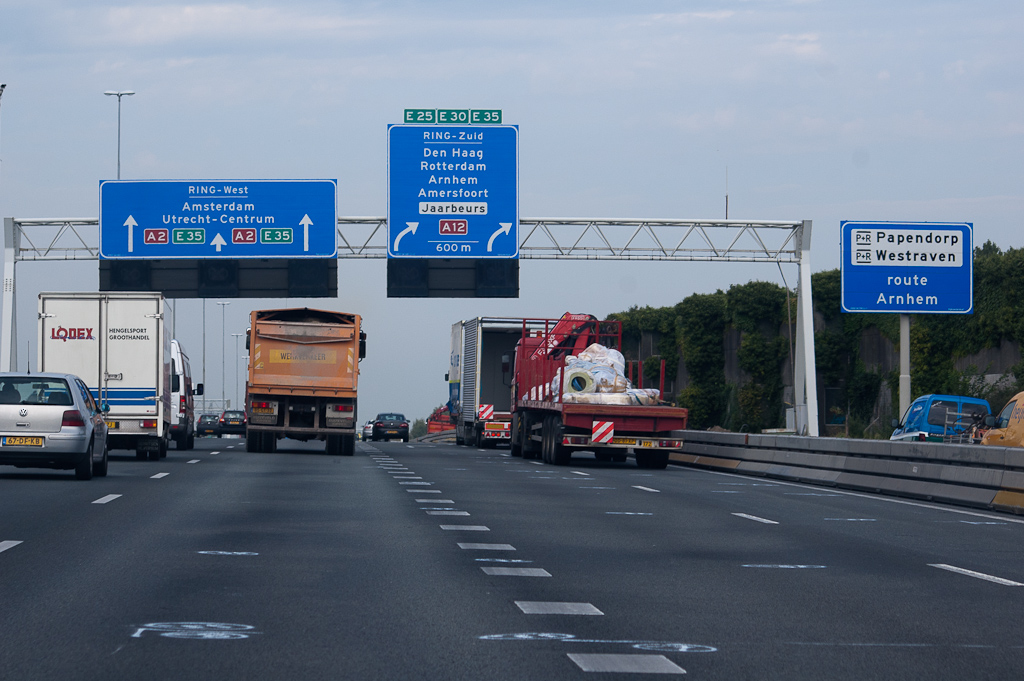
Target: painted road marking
[[467, 528], [725, 491], [500, 560], [972, 522], [219, 631], [424, 491], [788, 567], [435, 501], [435, 512], [407, 477], [645, 489], [516, 572], [978, 575], [415, 483], [9, 544], [106, 499], [627, 664], [755, 518], [855, 520], [625, 513], [580, 473], [554, 608], [212, 453], [228, 553], [597, 488], [487, 547], [193, 461], [159, 475], [809, 494], [652, 646]]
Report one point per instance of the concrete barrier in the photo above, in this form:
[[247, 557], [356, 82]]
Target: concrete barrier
[[972, 475]]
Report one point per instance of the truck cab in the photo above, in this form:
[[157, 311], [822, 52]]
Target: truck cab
[[1007, 429], [940, 418]]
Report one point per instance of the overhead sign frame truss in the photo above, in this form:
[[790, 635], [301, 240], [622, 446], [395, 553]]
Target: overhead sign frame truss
[[765, 241]]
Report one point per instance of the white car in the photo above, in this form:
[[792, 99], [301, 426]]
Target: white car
[[51, 421], [368, 431]]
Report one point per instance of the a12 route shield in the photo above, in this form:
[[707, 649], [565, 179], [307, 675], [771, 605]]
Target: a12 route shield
[[453, 191], [907, 268], [167, 219]]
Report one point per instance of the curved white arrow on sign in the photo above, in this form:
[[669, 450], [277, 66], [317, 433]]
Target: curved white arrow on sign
[[410, 229], [506, 227]]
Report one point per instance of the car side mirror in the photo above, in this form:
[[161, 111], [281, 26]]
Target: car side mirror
[[105, 408], [198, 390], [990, 421], [506, 364], [895, 423]]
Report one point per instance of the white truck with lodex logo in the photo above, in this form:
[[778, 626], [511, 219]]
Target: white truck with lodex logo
[[117, 343]]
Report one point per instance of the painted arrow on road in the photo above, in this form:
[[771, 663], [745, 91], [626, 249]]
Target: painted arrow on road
[[129, 223], [218, 241], [305, 222], [410, 229], [506, 227]]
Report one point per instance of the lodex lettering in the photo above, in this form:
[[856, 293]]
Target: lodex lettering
[[62, 334]]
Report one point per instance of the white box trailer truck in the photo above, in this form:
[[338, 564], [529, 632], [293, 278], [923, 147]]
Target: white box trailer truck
[[479, 383], [118, 345]]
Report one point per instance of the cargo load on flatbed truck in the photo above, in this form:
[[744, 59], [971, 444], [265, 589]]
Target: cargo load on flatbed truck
[[303, 378], [569, 395]]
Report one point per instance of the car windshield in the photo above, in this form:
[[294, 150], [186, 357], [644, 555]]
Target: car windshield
[[233, 414], [390, 417], [34, 390], [206, 418]]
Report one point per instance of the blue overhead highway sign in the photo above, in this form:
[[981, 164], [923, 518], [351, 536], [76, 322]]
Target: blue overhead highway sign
[[167, 219], [907, 267], [453, 191]]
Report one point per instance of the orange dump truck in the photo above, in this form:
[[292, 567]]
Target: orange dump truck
[[303, 375]]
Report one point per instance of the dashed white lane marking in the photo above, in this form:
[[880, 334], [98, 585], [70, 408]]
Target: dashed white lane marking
[[580, 473], [725, 491], [407, 477], [461, 513], [9, 544], [646, 489], [486, 547], [625, 513], [855, 520], [159, 475], [435, 501], [516, 572], [627, 664], [193, 461], [415, 483], [554, 608], [597, 487], [756, 519], [424, 491], [467, 528], [977, 575], [788, 567], [212, 453], [106, 499]]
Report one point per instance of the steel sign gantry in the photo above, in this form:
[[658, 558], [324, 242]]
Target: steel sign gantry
[[751, 241]]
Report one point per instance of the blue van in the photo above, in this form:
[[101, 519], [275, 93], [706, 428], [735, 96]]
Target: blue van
[[941, 418]]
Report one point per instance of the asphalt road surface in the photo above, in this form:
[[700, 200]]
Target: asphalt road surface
[[439, 562]]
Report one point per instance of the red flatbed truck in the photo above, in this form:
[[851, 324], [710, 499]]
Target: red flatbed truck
[[548, 425]]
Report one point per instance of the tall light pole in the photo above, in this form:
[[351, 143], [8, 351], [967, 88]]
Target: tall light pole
[[119, 94], [238, 391], [223, 357]]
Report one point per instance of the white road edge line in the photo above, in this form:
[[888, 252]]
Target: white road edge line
[[972, 573], [9, 544], [756, 519], [107, 499]]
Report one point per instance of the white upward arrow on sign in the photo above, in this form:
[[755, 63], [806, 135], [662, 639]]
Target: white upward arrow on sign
[[305, 222], [129, 223], [218, 241]]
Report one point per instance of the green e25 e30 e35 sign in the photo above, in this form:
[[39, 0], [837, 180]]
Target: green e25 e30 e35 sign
[[453, 116]]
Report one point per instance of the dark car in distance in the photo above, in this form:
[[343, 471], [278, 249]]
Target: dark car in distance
[[390, 426], [208, 425], [231, 422]]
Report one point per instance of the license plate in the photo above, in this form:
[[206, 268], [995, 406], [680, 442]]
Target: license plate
[[112, 425], [647, 443], [392, 432], [262, 410], [623, 441], [23, 442]]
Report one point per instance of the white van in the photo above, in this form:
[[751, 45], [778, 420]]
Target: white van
[[183, 412]]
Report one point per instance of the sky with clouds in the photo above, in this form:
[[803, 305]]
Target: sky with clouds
[[649, 109]]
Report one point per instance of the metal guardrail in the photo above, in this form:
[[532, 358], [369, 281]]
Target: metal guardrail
[[970, 475]]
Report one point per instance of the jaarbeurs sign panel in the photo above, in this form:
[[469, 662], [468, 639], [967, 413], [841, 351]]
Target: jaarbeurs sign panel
[[167, 219], [453, 191], [907, 267]]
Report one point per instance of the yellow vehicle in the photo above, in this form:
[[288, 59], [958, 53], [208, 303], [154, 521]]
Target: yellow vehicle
[[1008, 427]]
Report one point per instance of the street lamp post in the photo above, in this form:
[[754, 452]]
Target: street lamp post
[[119, 94], [223, 357], [238, 391]]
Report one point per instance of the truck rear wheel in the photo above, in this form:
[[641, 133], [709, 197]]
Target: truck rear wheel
[[252, 442], [269, 443], [333, 445], [348, 445]]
